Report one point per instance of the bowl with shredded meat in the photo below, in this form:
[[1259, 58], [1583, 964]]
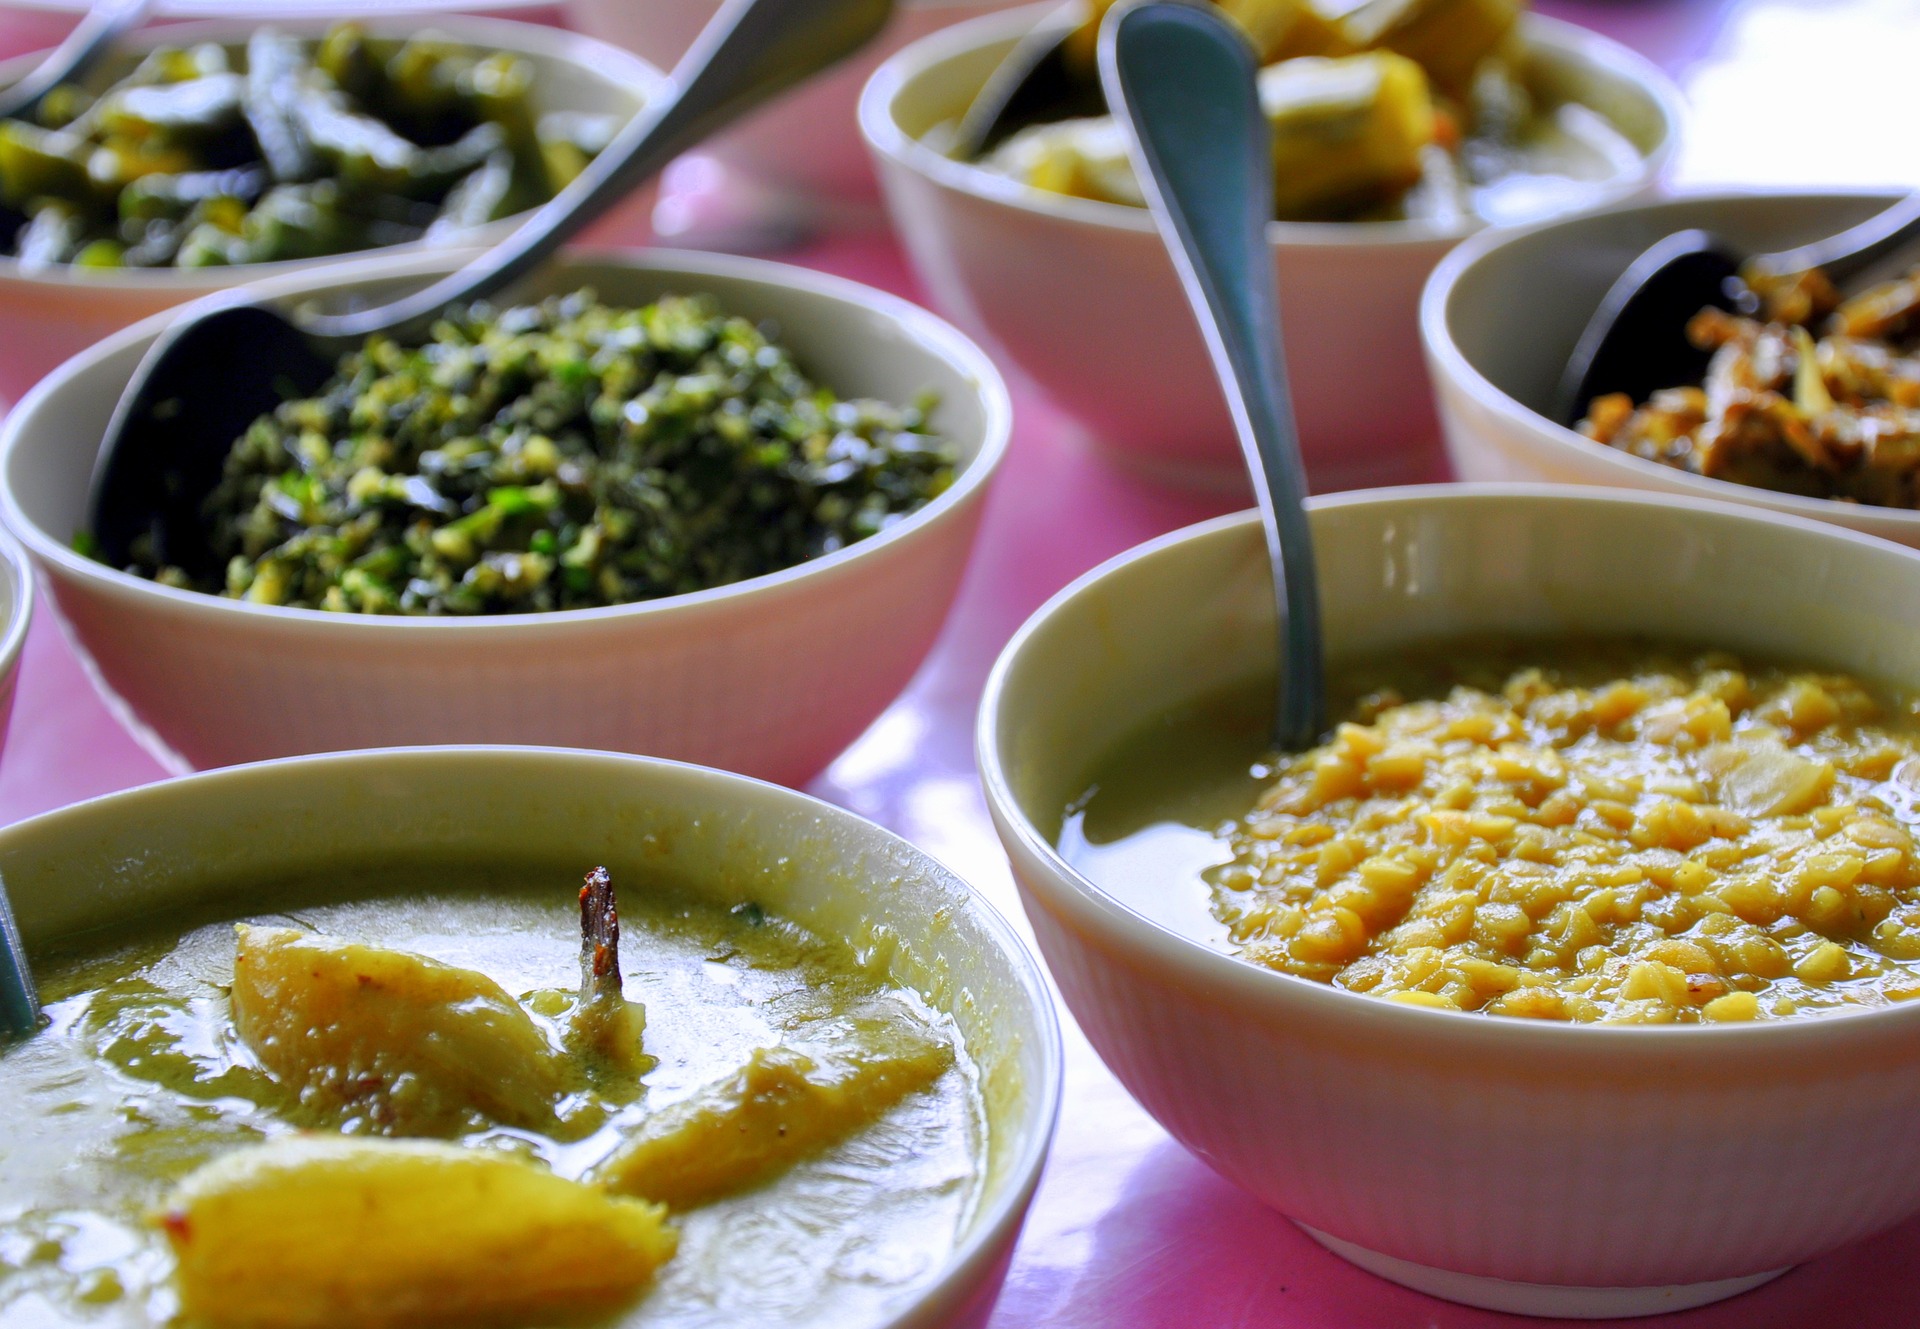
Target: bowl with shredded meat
[[1809, 404]]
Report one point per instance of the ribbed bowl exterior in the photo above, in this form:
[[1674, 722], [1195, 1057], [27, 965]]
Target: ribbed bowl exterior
[[771, 684]]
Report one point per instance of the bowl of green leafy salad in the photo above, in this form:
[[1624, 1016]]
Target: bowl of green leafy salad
[[207, 154], [690, 506]]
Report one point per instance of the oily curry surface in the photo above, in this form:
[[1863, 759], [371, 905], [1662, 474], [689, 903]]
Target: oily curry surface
[[757, 1129], [1598, 831]]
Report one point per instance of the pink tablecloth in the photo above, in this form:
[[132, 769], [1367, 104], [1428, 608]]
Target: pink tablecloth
[[1129, 1229]]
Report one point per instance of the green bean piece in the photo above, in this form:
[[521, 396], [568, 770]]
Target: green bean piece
[[421, 91], [196, 111], [309, 149], [345, 57], [101, 253], [62, 106], [499, 89], [163, 195], [558, 456], [276, 72], [480, 198], [53, 234], [300, 221], [41, 163]]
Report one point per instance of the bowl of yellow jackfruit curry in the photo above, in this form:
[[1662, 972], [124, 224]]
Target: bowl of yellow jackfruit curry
[[508, 1037], [1808, 401], [1400, 126], [1581, 950]]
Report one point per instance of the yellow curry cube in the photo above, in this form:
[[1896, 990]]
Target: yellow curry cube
[[782, 1106], [1447, 38], [1347, 131], [320, 1232]]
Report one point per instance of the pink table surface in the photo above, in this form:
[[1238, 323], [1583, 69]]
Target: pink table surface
[[1128, 1228]]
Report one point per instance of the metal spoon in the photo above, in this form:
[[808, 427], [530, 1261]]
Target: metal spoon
[[1636, 341], [1035, 84], [90, 39], [232, 359], [19, 1002], [1181, 79]]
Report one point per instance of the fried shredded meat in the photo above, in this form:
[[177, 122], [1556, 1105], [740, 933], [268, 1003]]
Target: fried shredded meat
[[1816, 395]]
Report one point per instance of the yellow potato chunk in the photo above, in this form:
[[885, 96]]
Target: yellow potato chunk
[[1447, 38], [393, 1042], [777, 1109], [1347, 132], [320, 1232], [1764, 779]]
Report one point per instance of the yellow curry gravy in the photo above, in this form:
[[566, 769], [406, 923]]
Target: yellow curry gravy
[[1600, 831], [139, 1078]]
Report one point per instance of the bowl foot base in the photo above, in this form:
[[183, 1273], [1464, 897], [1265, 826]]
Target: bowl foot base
[[1549, 1299]]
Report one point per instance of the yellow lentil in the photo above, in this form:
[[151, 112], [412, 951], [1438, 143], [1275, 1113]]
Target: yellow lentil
[[1676, 843]]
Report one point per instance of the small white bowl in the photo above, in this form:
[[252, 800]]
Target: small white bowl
[[236, 836], [807, 143], [1082, 296], [771, 676], [1502, 314], [47, 315], [1526, 1166], [16, 614]]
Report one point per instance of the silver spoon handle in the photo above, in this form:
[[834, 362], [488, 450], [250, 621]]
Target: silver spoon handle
[[751, 50], [1181, 78], [89, 40], [1855, 249]]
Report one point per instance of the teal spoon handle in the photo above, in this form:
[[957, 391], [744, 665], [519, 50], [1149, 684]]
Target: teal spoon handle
[[1182, 79]]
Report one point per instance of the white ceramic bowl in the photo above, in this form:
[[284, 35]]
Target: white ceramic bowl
[[808, 142], [1082, 296], [1522, 1165], [48, 315], [16, 614], [235, 835], [770, 676], [1502, 314]]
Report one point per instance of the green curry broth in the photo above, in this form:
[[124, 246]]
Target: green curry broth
[[1154, 822], [139, 1078]]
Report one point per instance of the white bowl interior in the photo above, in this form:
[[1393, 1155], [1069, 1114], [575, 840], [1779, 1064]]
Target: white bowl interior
[[260, 837], [1170, 623], [844, 337], [931, 84], [1517, 307]]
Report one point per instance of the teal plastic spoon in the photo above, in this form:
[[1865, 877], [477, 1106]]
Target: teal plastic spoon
[[1181, 79], [19, 1002]]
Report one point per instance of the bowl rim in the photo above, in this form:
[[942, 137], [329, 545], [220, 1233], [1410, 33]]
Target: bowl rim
[[993, 1223], [885, 138], [1249, 986], [1452, 364], [932, 333], [13, 637], [603, 62]]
